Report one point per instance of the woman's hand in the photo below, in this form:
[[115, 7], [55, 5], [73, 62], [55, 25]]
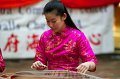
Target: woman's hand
[[84, 67], [38, 65]]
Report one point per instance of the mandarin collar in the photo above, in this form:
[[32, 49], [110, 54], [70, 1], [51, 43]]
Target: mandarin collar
[[64, 32]]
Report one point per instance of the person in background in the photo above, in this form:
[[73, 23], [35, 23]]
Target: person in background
[[63, 46], [2, 64]]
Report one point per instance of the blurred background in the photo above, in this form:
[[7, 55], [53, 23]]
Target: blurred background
[[22, 23]]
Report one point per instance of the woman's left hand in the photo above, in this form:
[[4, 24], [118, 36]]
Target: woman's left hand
[[83, 68]]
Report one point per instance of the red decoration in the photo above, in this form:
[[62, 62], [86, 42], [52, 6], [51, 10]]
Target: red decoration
[[87, 3], [16, 3]]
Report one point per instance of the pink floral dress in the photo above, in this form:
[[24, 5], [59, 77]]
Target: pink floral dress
[[2, 64], [63, 51]]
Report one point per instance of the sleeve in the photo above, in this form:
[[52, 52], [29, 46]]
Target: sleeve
[[85, 51], [2, 63], [40, 51]]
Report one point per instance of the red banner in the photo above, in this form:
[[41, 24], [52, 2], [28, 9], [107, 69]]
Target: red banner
[[16, 3], [87, 3]]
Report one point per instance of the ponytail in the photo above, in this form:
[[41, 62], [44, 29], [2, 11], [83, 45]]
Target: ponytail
[[69, 21]]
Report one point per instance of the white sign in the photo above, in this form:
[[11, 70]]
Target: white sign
[[20, 29]]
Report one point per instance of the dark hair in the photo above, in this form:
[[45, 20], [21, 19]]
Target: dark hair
[[59, 9]]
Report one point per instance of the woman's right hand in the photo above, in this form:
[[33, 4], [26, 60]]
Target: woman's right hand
[[38, 65]]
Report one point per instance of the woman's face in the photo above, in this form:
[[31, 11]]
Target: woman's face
[[55, 22]]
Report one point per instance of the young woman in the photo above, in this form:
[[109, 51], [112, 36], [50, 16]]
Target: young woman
[[62, 47], [2, 64]]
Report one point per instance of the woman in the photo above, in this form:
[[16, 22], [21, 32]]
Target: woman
[[62, 47]]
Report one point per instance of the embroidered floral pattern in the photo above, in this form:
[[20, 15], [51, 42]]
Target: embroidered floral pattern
[[63, 50], [70, 46]]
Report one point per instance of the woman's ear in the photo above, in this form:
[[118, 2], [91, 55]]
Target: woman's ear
[[64, 16]]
